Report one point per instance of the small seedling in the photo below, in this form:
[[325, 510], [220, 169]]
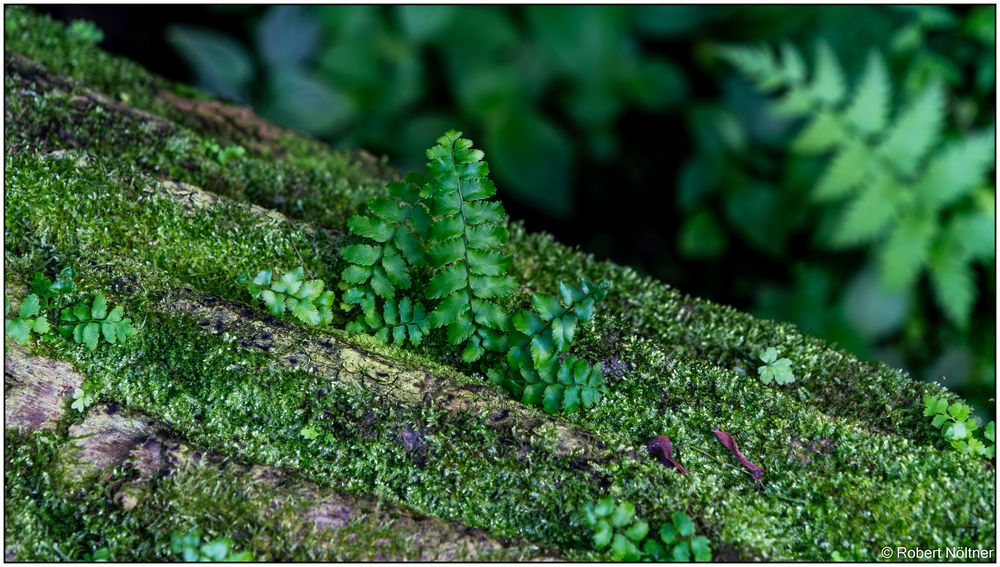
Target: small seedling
[[188, 545], [774, 369], [291, 292], [677, 542], [223, 155], [309, 433], [958, 427], [630, 539], [88, 321], [81, 400]]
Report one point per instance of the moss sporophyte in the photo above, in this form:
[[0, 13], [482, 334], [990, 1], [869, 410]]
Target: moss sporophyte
[[414, 425]]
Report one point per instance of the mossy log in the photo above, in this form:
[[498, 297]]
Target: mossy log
[[108, 169]]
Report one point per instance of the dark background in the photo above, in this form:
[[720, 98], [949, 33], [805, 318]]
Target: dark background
[[618, 129]]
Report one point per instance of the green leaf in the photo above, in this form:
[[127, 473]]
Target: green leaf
[[377, 230], [822, 134], [683, 523], [905, 252], [637, 531], [849, 168], [869, 109], [99, 309], [552, 403], [623, 515], [534, 394], [17, 330], [959, 411], [828, 81], [604, 507], [571, 399], [871, 213], [916, 129], [682, 552], [361, 254], [953, 282], [769, 355], [624, 550], [41, 325], [602, 534], [701, 549], [90, 335], [654, 549], [274, 302], [954, 172], [668, 534], [29, 306]]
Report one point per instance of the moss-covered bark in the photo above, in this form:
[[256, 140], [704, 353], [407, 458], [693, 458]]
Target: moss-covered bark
[[96, 152]]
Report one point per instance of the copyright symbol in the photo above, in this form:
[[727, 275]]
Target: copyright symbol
[[886, 552]]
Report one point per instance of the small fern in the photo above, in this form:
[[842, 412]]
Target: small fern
[[304, 299], [904, 188], [465, 245], [439, 236], [396, 228]]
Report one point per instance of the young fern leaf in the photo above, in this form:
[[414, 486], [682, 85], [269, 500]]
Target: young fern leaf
[[465, 243], [534, 371], [304, 299], [396, 228]]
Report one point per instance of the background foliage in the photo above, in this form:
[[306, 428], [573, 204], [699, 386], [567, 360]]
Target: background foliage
[[625, 130]]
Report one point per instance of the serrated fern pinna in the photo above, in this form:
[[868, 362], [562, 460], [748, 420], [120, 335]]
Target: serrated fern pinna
[[903, 181], [439, 236]]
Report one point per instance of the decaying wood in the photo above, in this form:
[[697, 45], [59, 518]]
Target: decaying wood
[[36, 390]]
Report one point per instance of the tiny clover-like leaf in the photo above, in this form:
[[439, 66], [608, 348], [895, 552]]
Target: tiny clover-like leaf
[[959, 411], [81, 400], [309, 433], [774, 369], [769, 355]]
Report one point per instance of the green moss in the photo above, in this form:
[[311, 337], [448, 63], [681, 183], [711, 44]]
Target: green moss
[[51, 518]]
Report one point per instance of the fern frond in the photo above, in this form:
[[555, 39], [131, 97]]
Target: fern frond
[[868, 112], [905, 252], [395, 230], [871, 213], [846, 171], [954, 288], [465, 244], [548, 330], [828, 85], [916, 130], [957, 170]]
